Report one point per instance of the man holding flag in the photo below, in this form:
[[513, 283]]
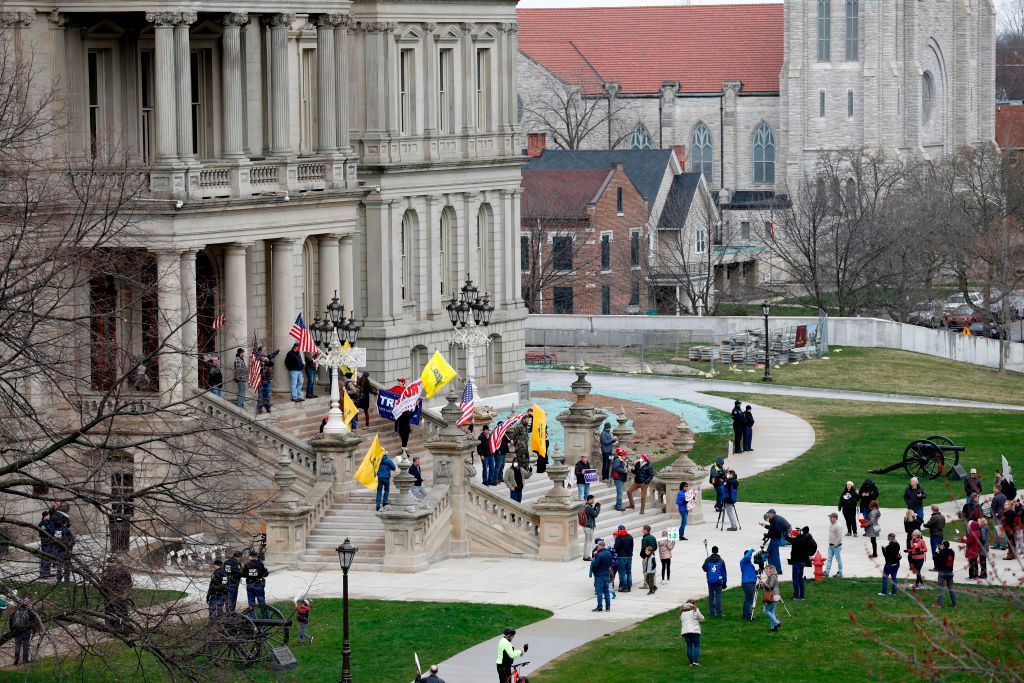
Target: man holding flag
[[499, 445], [467, 404], [539, 437]]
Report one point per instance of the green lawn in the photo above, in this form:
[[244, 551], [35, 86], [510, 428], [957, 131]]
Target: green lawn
[[822, 642], [384, 635], [78, 596], [852, 437]]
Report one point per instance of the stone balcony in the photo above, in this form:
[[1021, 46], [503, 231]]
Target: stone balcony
[[389, 149]]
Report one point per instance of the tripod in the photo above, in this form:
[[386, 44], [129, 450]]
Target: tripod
[[720, 524]]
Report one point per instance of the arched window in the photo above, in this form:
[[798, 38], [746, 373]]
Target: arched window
[[406, 241], [446, 251], [484, 226], [852, 30], [640, 138], [824, 30], [702, 152], [764, 154], [927, 96]]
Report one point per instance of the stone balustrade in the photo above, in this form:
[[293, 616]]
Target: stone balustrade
[[508, 527]]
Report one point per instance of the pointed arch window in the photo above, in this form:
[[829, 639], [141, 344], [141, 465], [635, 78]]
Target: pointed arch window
[[640, 138], [702, 152], [824, 30], [764, 154], [852, 30]]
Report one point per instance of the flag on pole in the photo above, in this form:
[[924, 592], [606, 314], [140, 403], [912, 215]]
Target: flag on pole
[[348, 408], [367, 472], [467, 404], [1006, 469], [436, 374], [218, 322], [499, 432], [300, 333], [254, 366], [408, 399], [538, 435]]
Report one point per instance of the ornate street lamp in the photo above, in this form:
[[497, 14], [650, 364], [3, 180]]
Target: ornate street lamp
[[331, 334], [346, 554], [766, 309], [469, 306]]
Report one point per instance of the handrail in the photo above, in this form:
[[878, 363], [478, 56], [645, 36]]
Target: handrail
[[510, 514]]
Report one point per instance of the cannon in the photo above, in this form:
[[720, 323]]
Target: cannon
[[927, 458]]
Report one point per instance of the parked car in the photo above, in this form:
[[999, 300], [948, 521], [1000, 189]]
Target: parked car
[[955, 301], [927, 314], [961, 316]]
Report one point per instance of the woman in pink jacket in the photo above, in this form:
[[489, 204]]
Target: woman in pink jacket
[[973, 551], [916, 552]]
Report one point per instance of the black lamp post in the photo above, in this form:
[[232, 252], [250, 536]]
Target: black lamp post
[[346, 553], [336, 326], [469, 304], [766, 308]]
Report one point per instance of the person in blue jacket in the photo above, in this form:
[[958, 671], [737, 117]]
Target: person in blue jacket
[[600, 567], [748, 580], [384, 471], [714, 567]]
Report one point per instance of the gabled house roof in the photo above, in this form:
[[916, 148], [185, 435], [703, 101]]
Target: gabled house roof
[[561, 193], [645, 167], [641, 47], [680, 198]]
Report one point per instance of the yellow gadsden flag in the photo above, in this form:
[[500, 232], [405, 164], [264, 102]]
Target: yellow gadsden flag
[[436, 374], [348, 409], [367, 472], [539, 432]]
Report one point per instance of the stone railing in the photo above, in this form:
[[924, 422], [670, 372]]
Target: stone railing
[[134, 403], [488, 512], [416, 532], [263, 177]]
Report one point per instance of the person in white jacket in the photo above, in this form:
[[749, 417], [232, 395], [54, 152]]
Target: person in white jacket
[[689, 620]]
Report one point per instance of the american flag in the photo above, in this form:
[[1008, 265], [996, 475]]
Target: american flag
[[218, 322], [499, 432], [254, 366], [467, 404], [300, 333]]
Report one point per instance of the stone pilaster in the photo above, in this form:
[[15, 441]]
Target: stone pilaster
[[231, 80], [163, 84], [282, 306], [183, 81], [280, 96]]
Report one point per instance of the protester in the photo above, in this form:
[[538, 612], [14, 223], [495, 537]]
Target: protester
[[732, 485], [619, 476], [650, 566], [804, 547], [590, 512], [600, 570], [914, 496], [777, 527], [483, 449], [214, 377], [418, 490], [689, 622], [835, 545], [582, 485], [848, 506], [606, 441], [384, 471], [643, 475], [748, 429], [944, 562], [21, 625], [310, 360], [936, 526], [972, 485], [294, 364], [513, 478], [363, 400], [624, 551], [241, 376], [748, 581], [431, 676], [665, 546], [404, 425], [971, 509], [648, 540], [998, 506], [685, 500], [983, 557], [499, 456], [872, 529], [507, 654], [739, 425], [973, 551], [911, 523], [868, 492], [917, 551], [771, 595], [892, 555], [717, 579], [266, 384]]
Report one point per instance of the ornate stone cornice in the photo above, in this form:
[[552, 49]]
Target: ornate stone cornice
[[333, 19], [59, 19], [380, 26], [467, 27], [20, 19], [280, 19], [187, 18], [163, 18], [429, 27], [509, 28], [235, 19]]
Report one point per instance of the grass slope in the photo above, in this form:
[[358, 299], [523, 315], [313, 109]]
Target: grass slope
[[852, 437], [820, 643]]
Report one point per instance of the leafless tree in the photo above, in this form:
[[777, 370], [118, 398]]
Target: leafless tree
[[573, 113], [136, 470]]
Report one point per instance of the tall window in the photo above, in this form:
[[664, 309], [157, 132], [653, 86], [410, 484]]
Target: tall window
[[483, 245], [700, 244], [406, 251], [146, 115], [99, 92], [524, 253], [640, 138], [927, 96], [202, 103], [824, 30], [852, 30], [634, 248], [405, 76], [634, 294], [445, 94], [561, 256], [702, 152], [308, 106], [618, 200], [483, 89], [563, 299], [745, 230], [606, 252], [849, 104], [821, 104], [446, 252], [764, 155], [606, 300]]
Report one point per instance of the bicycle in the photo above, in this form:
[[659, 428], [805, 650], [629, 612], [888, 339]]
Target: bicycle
[[517, 677]]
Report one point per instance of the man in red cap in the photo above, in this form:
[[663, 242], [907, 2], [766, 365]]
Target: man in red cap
[[643, 474]]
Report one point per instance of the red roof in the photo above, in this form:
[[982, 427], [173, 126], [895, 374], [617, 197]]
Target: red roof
[[560, 193], [1010, 126], [640, 47]]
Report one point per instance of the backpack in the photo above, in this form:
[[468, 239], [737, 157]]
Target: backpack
[[582, 517], [812, 547], [21, 618], [615, 560]]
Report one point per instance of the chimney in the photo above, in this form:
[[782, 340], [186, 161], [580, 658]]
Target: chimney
[[536, 143], [680, 151]]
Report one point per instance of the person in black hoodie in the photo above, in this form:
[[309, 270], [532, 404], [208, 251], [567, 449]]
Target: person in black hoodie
[[295, 365], [944, 562], [624, 551], [892, 555], [804, 547], [848, 506], [868, 493]]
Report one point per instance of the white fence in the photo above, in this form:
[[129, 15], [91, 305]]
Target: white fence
[[622, 330]]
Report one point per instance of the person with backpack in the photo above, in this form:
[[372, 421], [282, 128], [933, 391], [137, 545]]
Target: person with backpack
[[891, 553], [717, 480], [217, 592], [714, 567], [944, 564], [302, 609], [650, 565], [588, 520], [643, 475], [619, 476], [22, 623], [732, 485], [624, 551]]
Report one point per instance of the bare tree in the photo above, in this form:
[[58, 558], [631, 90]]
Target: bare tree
[[573, 113]]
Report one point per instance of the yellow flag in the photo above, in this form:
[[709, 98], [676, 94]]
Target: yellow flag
[[539, 432], [436, 374], [348, 409], [345, 348], [367, 472]]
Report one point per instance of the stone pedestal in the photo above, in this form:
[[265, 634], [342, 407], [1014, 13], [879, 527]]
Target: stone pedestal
[[580, 423], [286, 517], [558, 510], [405, 525], [337, 460], [452, 450], [622, 432], [683, 469]]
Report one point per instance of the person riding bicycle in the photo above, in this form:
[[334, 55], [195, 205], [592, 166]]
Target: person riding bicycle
[[507, 653]]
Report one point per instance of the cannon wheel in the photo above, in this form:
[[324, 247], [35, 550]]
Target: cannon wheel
[[235, 641], [272, 629], [923, 458], [946, 441]]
